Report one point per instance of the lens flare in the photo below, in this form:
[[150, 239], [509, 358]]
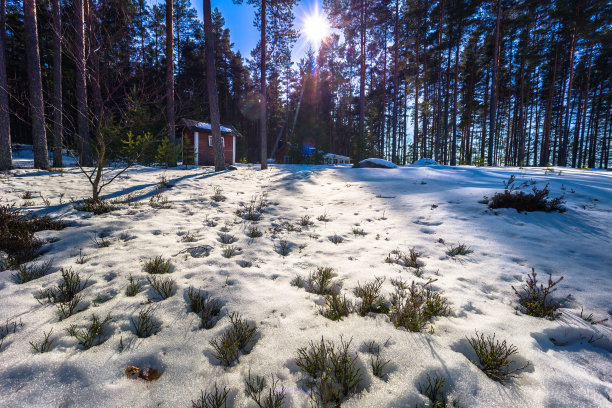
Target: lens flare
[[316, 28]]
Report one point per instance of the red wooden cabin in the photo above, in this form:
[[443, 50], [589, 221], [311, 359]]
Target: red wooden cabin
[[198, 135]]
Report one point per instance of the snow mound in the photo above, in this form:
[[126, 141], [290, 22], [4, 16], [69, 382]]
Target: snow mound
[[426, 162], [373, 162]]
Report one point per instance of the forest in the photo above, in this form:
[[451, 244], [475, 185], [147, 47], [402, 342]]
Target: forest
[[465, 82]]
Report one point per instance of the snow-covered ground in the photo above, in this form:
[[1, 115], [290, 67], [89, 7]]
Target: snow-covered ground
[[429, 208]]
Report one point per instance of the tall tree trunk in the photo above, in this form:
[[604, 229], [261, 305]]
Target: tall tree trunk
[[545, 148], [84, 141], [39, 137], [439, 85], [493, 106], [362, 76], [453, 159], [170, 79], [211, 82], [58, 127], [483, 139], [415, 135], [264, 94], [6, 159], [565, 136], [395, 82]]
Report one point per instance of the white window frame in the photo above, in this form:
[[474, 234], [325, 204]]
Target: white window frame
[[210, 141]]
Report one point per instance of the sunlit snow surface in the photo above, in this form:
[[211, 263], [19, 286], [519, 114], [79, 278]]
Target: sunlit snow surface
[[399, 209]]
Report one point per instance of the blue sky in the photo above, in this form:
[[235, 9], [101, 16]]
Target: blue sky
[[239, 20]]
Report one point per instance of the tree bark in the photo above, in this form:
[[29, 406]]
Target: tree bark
[[362, 77], [453, 158], [39, 137], [565, 137], [395, 83], [211, 82], [58, 128], [81, 86], [6, 159], [493, 107], [264, 94], [415, 135], [170, 79]]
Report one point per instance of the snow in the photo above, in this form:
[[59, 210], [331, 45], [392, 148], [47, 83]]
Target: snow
[[409, 207], [425, 162], [208, 126], [380, 162]]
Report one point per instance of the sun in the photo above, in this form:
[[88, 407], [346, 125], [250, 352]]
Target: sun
[[316, 28]]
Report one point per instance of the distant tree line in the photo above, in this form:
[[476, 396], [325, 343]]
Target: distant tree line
[[494, 82]]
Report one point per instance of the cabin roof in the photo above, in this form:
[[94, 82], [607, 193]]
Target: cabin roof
[[195, 126]]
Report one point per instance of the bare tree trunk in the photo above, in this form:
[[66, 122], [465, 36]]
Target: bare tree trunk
[[545, 148], [211, 82], [362, 75], [565, 137], [39, 137], [415, 135], [395, 83], [170, 79], [453, 158], [6, 159], [81, 86], [264, 94], [58, 128], [439, 87], [493, 106]]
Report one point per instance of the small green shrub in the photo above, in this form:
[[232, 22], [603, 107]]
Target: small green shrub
[[323, 217], [433, 390], [273, 398], [227, 239], [163, 287], [371, 299], [459, 249], [336, 239], [283, 248], [320, 281], [144, 323], [212, 399], [45, 344], [97, 207], [376, 362], [494, 357], [336, 307], [229, 251], [134, 287], [204, 306], [253, 210], [188, 237], [10, 327], [27, 273], [358, 232], [17, 229], [413, 306], [537, 300], [305, 221], [101, 242], [158, 265], [254, 232], [233, 341], [330, 371], [65, 295], [536, 201], [91, 335]]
